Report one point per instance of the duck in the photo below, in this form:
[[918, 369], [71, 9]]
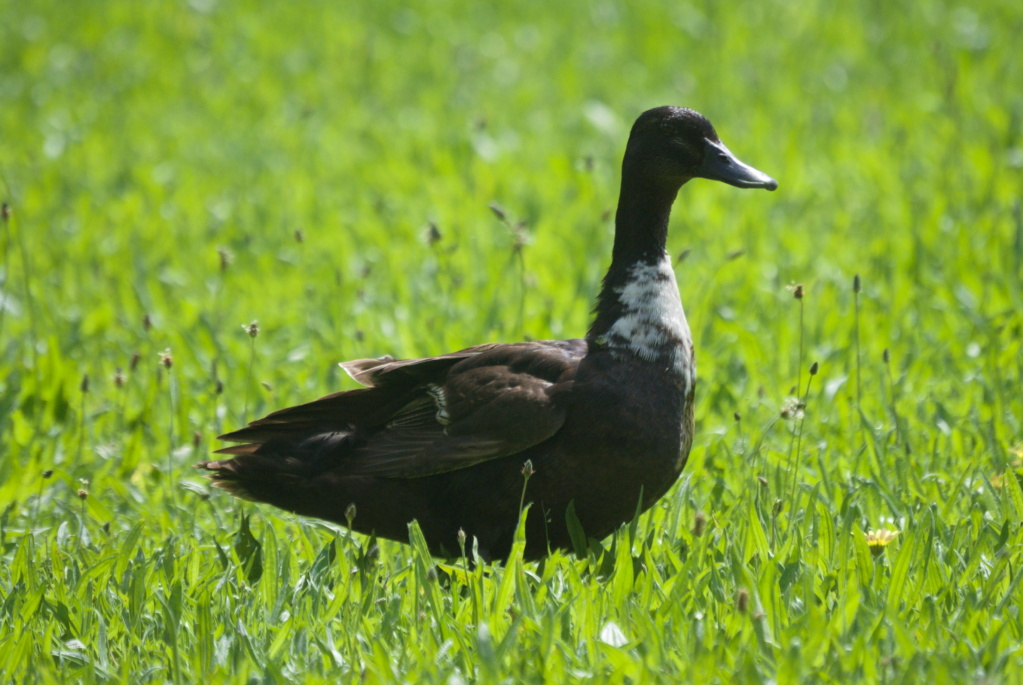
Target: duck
[[585, 431]]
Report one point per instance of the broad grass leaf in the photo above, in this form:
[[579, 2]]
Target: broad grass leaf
[[506, 588], [900, 573], [249, 551], [757, 538], [575, 532], [865, 562], [825, 538], [131, 539], [1014, 493]]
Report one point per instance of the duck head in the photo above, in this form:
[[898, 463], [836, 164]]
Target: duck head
[[671, 145]]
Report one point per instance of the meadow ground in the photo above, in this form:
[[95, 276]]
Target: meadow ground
[[177, 170]]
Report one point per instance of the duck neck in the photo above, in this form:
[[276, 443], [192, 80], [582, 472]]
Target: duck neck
[[641, 222], [639, 312]]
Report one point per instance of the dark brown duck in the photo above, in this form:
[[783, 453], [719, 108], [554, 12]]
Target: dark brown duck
[[604, 420]]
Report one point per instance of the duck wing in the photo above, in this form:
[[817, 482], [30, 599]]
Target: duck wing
[[418, 417]]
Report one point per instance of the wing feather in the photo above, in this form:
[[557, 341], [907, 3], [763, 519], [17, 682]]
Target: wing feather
[[420, 417]]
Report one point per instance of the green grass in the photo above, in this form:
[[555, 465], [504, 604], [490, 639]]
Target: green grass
[[311, 143]]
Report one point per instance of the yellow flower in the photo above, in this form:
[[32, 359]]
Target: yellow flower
[[877, 540]]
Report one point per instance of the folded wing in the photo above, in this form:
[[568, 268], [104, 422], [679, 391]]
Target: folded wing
[[416, 417]]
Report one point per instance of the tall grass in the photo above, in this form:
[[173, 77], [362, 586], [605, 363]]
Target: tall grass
[[159, 160]]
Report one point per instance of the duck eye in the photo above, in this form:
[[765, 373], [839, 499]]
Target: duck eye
[[724, 158]]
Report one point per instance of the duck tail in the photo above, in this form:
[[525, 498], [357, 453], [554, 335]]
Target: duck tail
[[281, 455], [284, 475]]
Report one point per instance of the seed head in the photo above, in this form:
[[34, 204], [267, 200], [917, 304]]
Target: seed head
[[166, 360], [252, 329], [48, 473], [267, 386], [762, 481], [742, 600], [527, 468], [5, 211], [498, 212], [778, 506], [225, 258], [461, 538], [792, 408], [797, 290], [218, 388], [83, 494], [147, 322], [885, 356], [196, 439], [699, 524], [299, 236], [813, 369], [856, 283], [135, 358], [119, 378], [432, 234], [737, 416], [85, 384], [350, 512]]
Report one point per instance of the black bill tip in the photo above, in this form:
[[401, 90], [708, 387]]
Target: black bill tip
[[719, 164]]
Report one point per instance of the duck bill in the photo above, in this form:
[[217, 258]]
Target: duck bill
[[719, 164]]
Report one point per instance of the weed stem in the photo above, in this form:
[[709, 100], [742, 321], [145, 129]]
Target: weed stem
[[799, 436], [856, 338], [253, 330]]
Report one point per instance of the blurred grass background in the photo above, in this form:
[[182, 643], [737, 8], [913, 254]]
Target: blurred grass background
[[201, 165]]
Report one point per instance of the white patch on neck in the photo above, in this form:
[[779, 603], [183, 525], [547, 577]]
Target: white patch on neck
[[652, 325]]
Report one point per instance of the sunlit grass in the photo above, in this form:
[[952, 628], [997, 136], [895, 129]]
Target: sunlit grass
[[331, 170]]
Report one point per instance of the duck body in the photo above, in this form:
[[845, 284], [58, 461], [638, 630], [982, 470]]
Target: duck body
[[606, 421]]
